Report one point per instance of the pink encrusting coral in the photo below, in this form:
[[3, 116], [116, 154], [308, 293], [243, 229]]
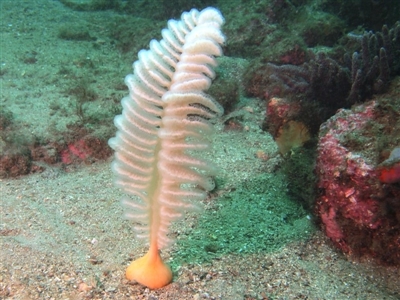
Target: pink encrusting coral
[[76, 150], [86, 149], [359, 213]]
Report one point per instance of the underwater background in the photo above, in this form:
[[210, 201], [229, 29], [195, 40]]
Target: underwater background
[[307, 202]]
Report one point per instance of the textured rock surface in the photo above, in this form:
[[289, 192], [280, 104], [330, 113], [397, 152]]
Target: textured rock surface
[[359, 212]]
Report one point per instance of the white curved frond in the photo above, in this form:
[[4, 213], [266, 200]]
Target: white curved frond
[[165, 121]]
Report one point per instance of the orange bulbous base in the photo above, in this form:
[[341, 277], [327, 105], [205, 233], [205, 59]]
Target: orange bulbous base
[[150, 271]]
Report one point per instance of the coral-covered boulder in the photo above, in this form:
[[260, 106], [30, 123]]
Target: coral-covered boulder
[[359, 199]]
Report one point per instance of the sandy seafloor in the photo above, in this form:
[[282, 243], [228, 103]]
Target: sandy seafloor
[[62, 232]]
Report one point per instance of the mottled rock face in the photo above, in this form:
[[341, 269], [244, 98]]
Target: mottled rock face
[[358, 210]]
